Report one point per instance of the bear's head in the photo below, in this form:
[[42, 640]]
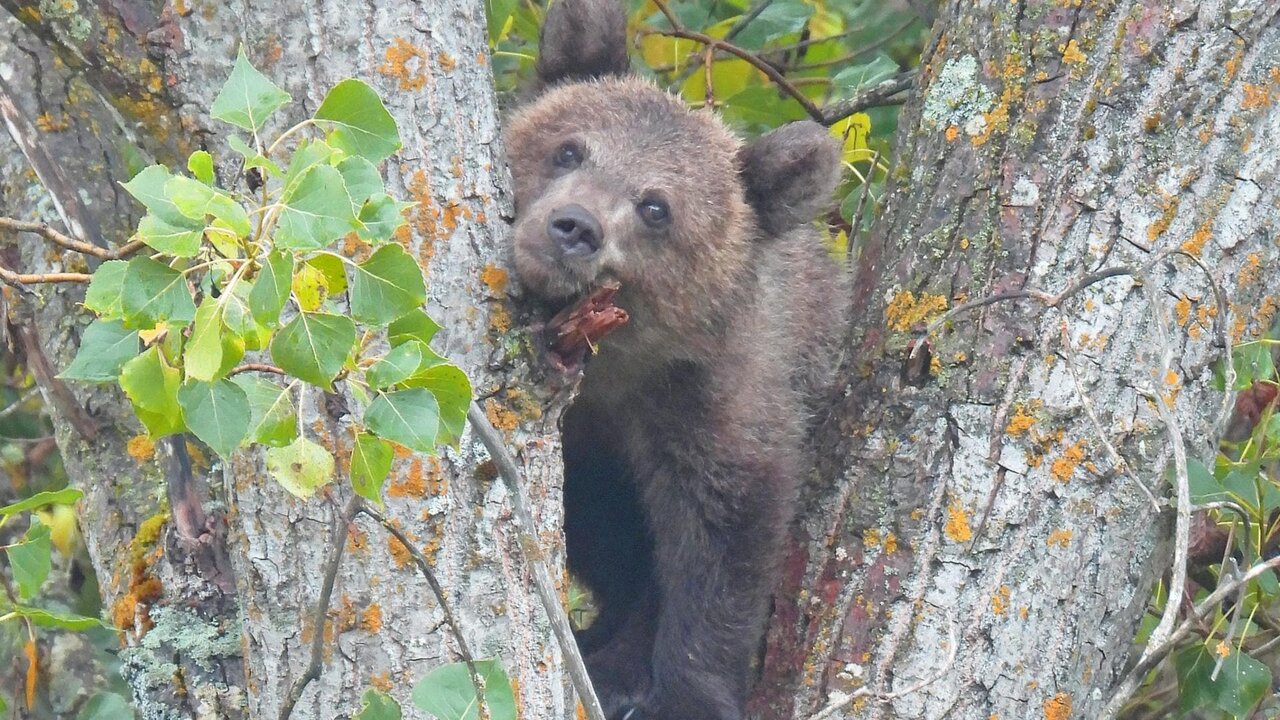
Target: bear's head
[[617, 180]]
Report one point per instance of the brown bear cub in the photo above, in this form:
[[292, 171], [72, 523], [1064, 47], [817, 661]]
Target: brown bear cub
[[685, 444]]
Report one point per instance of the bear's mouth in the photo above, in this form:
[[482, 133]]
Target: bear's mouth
[[577, 328]]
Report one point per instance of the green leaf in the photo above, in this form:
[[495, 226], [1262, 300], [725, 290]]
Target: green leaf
[[1204, 487], [1253, 362], [448, 693], [253, 158], [396, 366], [358, 121], [370, 465], [313, 347], [217, 413], [362, 179], [1194, 667], [203, 356], [380, 217], [252, 334], [417, 325], [66, 496], [65, 621], [387, 286], [271, 289], [197, 201], [272, 420], [452, 391], [148, 187], [781, 17], [153, 293], [201, 166], [308, 155], [169, 239], [106, 706], [152, 387], [248, 97], [1242, 683], [332, 267], [316, 212], [376, 705], [105, 347], [103, 294], [301, 467], [409, 417], [855, 77], [30, 560]]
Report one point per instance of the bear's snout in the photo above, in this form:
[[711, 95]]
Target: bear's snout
[[575, 231]]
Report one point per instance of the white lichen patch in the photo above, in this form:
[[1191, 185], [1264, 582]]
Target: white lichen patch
[[1025, 193], [957, 98]]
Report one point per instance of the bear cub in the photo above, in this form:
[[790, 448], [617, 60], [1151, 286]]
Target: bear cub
[[687, 439]]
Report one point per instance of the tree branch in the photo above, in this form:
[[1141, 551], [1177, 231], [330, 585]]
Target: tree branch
[[339, 543], [438, 590], [531, 549], [68, 242]]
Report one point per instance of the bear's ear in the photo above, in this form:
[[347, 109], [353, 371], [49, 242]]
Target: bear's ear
[[790, 174], [583, 39]]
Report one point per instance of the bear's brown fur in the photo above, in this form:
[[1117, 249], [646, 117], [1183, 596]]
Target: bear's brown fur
[[686, 441]]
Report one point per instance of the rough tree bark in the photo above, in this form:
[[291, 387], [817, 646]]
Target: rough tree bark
[[970, 527], [97, 90]]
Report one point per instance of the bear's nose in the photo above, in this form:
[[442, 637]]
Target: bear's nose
[[575, 230]]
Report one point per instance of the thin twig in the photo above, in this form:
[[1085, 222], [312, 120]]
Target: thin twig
[[678, 30], [1155, 653], [531, 549], [884, 92], [10, 277], [1161, 396], [1121, 465], [437, 589], [11, 408], [256, 367], [1046, 299], [1221, 324], [743, 21], [68, 242], [842, 701], [339, 542]]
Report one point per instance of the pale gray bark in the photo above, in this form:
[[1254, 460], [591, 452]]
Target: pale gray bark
[[153, 74], [1047, 141]]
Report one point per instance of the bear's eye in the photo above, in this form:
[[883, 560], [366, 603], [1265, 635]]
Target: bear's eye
[[654, 212], [568, 156]]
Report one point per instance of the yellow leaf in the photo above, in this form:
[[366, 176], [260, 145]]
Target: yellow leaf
[[149, 337], [61, 520], [853, 132], [32, 664], [310, 287]]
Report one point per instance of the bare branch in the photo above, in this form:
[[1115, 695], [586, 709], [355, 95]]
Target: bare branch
[[338, 542], [885, 92], [256, 367], [530, 548], [424, 566], [10, 277], [68, 242]]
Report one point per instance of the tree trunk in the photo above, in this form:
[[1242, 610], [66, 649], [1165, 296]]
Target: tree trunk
[[972, 548], [110, 86]]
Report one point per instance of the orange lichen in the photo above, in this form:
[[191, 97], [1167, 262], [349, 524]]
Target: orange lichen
[[1222, 649], [1196, 244], [1012, 73], [1000, 601], [957, 527], [1058, 707], [495, 279], [382, 681], [1060, 538], [905, 311], [399, 57], [412, 484], [355, 248], [1255, 96], [1251, 270], [890, 543], [1169, 210], [499, 319], [499, 416], [141, 448], [371, 618], [952, 133], [1182, 310], [1071, 53], [1065, 466], [447, 63], [1020, 423]]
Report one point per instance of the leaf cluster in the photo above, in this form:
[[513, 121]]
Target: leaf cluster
[[242, 302]]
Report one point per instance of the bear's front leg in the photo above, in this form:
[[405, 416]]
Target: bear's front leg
[[718, 526]]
